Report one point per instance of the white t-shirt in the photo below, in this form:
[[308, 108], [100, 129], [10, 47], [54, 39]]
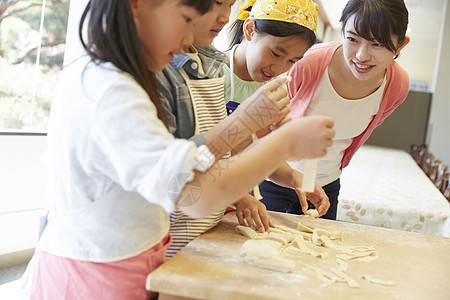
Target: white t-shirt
[[351, 118], [114, 169]]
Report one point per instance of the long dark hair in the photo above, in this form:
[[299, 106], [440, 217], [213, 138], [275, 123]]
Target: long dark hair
[[112, 37], [271, 27], [378, 19]]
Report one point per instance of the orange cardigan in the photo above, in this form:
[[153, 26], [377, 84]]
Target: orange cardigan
[[306, 75]]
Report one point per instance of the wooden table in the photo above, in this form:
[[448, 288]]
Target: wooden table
[[385, 187], [210, 267]]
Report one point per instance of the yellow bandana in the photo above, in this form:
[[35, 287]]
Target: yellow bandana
[[301, 12]]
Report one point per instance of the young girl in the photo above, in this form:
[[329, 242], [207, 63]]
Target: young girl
[[116, 172], [267, 39], [355, 82], [192, 91]]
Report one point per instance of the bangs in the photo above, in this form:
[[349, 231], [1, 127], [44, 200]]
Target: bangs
[[285, 29], [374, 26], [377, 20]]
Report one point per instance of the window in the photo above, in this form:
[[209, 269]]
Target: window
[[32, 45], [32, 42]]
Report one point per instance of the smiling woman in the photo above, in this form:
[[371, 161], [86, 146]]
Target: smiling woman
[[355, 82]]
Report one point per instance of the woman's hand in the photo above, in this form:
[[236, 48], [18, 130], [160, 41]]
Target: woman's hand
[[290, 178], [318, 198], [253, 213], [265, 131]]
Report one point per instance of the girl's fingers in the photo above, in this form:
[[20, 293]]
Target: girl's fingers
[[240, 217], [259, 224], [273, 85], [329, 123], [285, 115], [283, 102], [249, 219], [266, 220], [278, 95], [286, 118]]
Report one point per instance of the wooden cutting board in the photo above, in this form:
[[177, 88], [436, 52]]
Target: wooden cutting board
[[210, 267]]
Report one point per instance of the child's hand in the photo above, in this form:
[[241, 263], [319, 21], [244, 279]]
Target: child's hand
[[307, 137], [267, 106], [253, 213], [281, 123], [265, 131], [318, 198]]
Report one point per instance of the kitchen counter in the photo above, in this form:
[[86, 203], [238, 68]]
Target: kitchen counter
[[210, 267]]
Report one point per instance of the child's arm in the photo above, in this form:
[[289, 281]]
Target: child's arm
[[253, 213], [267, 106], [213, 190], [290, 178]]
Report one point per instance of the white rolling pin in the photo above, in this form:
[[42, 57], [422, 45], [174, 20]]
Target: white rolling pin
[[309, 176]]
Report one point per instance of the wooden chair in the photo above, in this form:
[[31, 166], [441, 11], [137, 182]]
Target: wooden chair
[[447, 193], [442, 185], [427, 161], [417, 152], [438, 171], [433, 169]]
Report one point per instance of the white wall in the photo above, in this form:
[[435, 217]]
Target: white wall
[[420, 56], [439, 125], [23, 177], [23, 185]]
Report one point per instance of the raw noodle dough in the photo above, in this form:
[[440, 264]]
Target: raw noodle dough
[[272, 249], [246, 231], [282, 238], [265, 254], [313, 213], [310, 213], [377, 281], [350, 281]]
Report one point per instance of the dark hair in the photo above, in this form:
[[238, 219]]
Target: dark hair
[[378, 20], [272, 27], [112, 37]]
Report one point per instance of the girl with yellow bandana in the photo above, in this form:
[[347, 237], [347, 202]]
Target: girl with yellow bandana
[[267, 39]]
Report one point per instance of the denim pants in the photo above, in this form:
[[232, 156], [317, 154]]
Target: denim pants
[[281, 199]]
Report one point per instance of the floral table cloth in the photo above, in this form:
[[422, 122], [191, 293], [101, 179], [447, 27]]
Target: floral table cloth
[[385, 187]]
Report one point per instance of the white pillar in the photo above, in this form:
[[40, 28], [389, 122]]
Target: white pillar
[[73, 44], [438, 137]]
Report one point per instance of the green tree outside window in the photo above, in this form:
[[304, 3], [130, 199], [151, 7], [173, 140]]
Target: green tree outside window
[[21, 79]]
